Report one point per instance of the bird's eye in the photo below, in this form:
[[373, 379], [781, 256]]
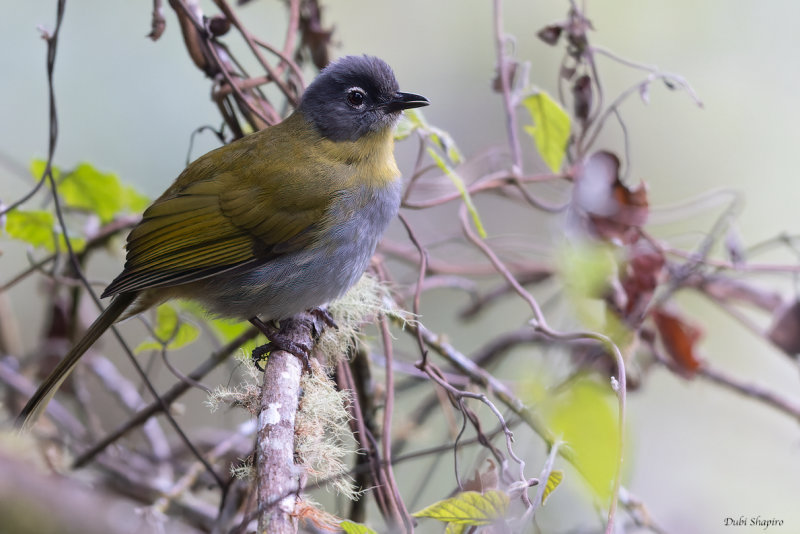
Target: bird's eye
[[355, 97]]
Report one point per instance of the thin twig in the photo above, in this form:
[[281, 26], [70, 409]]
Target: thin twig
[[386, 438], [290, 95], [504, 73], [214, 359], [539, 323]]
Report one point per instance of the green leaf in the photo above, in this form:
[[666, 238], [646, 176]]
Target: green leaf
[[410, 121], [224, 329], [169, 331], [587, 269], [455, 528], [555, 478], [462, 189], [589, 273], [77, 243], [350, 527], [147, 345], [34, 227], [88, 188], [550, 128], [413, 119], [39, 228], [227, 329], [443, 140], [405, 127], [584, 417], [166, 322], [101, 193], [38, 166], [132, 200], [469, 508]]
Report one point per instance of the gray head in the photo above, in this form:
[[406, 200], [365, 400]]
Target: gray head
[[354, 96]]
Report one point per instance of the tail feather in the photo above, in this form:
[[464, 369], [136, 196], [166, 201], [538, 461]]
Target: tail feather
[[38, 403]]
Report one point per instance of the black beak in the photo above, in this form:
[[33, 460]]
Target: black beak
[[402, 101]]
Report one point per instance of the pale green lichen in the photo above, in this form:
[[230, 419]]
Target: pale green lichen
[[363, 303], [324, 440], [246, 394]]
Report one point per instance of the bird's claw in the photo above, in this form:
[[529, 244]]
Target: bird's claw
[[316, 320], [321, 318], [281, 342]]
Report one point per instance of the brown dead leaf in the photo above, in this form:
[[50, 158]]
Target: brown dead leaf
[[613, 210], [550, 34], [679, 339], [316, 38], [483, 480], [640, 278]]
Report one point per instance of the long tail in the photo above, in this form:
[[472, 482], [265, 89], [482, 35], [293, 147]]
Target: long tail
[[38, 403]]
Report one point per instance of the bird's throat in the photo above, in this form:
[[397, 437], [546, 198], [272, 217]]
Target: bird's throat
[[371, 156]]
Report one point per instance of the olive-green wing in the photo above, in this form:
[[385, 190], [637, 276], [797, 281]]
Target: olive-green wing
[[218, 224]]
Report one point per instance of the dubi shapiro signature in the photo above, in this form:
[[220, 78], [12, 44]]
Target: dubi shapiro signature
[[753, 521]]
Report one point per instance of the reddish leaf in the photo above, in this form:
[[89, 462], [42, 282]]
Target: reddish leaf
[[680, 339], [640, 278], [614, 211], [785, 329]]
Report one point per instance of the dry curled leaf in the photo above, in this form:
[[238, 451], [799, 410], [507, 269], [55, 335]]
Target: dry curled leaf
[[158, 23], [550, 34], [313, 36], [613, 210], [219, 25], [484, 480], [639, 280], [679, 339]]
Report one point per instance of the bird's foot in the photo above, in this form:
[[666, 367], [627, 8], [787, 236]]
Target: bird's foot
[[280, 341], [296, 335], [322, 319]]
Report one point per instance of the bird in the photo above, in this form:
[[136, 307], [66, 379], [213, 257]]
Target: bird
[[280, 221]]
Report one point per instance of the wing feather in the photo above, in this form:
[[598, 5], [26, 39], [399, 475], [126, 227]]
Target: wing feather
[[210, 222]]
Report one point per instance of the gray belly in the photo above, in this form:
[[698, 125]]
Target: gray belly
[[306, 279]]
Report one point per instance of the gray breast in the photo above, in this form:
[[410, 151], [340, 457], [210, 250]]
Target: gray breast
[[301, 280]]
